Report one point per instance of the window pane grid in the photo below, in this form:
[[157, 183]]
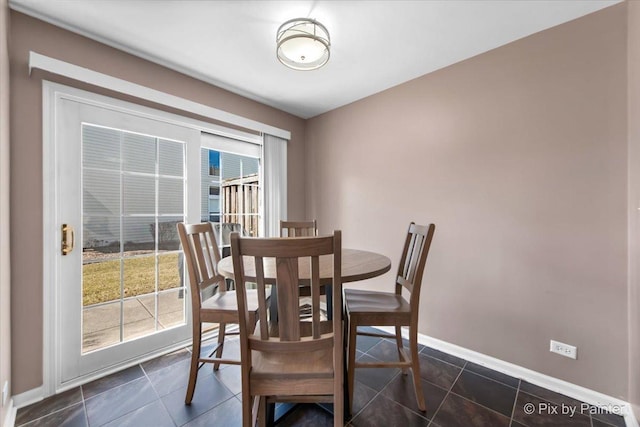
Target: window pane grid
[[129, 229]]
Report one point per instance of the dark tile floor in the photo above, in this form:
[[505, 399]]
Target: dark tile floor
[[457, 392]]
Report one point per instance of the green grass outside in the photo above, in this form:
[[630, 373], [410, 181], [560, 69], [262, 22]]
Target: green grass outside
[[101, 280]]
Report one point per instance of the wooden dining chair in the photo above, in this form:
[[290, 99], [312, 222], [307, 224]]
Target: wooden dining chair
[[368, 308], [298, 228], [291, 360], [211, 302]]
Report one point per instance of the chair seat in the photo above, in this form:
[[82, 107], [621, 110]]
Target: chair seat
[[283, 366], [228, 301], [362, 302], [223, 306]]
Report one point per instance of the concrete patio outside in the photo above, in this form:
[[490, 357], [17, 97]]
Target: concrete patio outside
[[101, 322]]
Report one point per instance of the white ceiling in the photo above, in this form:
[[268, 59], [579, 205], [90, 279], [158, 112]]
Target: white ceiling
[[375, 44]]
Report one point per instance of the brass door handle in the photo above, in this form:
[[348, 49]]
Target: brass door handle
[[68, 239]]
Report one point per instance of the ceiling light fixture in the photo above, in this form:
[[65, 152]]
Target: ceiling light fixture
[[303, 44]]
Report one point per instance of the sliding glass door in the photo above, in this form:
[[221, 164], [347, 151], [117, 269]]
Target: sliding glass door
[[123, 179], [121, 189]]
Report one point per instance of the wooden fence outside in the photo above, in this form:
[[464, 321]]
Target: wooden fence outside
[[241, 202]]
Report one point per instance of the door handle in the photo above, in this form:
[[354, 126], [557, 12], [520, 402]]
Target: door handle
[[68, 239]]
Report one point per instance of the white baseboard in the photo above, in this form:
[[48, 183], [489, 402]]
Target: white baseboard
[[28, 397], [554, 384], [10, 419]]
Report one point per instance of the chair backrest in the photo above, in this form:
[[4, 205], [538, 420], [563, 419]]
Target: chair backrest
[[287, 263], [298, 228], [413, 260], [201, 255]]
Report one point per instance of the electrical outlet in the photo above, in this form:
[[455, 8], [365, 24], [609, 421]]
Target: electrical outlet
[[562, 349], [5, 392]]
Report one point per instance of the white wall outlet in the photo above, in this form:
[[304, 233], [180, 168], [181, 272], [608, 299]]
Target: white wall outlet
[[562, 349], [5, 392]]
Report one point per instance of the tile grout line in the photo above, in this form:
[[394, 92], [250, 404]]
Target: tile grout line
[[449, 363], [84, 406], [144, 371], [127, 383], [154, 390], [498, 381], [515, 404], [448, 392], [484, 406], [378, 392]]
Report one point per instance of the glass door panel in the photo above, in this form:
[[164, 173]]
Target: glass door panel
[[133, 196]]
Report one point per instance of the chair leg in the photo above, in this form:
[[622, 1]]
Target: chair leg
[[399, 345], [351, 374], [415, 368], [195, 357], [338, 409], [262, 411], [249, 415], [222, 329]]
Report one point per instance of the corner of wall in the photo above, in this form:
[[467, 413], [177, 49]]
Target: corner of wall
[[633, 112], [6, 402]]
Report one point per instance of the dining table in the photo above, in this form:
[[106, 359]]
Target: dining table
[[356, 265]]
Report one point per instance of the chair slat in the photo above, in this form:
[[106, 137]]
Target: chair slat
[[315, 296], [288, 295]]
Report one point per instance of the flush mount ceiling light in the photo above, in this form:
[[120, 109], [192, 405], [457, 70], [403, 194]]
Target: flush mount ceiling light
[[303, 44]]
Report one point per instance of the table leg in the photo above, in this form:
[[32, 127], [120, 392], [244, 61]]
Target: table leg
[[271, 415], [273, 304], [345, 377], [329, 293]]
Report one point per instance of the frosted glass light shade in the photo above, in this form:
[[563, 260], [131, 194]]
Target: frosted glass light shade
[[303, 44]]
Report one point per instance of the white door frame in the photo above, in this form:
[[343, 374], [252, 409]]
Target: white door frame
[[52, 93]]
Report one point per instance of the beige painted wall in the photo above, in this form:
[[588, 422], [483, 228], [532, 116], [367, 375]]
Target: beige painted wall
[[633, 49], [5, 265], [519, 156], [26, 157]]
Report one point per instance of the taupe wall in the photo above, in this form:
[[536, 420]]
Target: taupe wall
[[519, 156], [26, 160], [633, 49], [5, 266]]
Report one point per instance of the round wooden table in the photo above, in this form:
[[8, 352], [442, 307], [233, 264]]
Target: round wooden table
[[356, 265]]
